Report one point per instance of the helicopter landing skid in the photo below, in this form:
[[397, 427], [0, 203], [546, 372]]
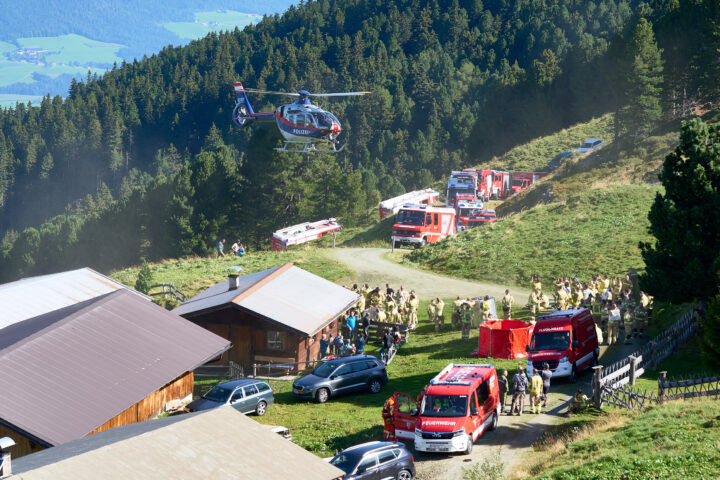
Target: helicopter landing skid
[[294, 146]]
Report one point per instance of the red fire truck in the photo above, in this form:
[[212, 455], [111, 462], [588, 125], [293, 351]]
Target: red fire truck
[[302, 233], [492, 184], [457, 407], [419, 225], [392, 206], [462, 185], [481, 217], [464, 210], [522, 180]]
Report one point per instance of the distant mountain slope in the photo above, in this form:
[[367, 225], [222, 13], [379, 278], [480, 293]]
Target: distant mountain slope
[[134, 23]]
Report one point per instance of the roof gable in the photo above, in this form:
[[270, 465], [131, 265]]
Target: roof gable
[[286, 295], [90, 362], [30, 297]]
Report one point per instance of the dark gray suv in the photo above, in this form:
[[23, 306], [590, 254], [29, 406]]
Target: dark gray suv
[[375, 460], [340, 376]]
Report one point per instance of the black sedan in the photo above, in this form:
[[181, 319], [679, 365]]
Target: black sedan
[[375, 461]]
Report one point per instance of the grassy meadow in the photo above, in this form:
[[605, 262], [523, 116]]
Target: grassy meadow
[[206, 22], [675, 440], [195, 274]]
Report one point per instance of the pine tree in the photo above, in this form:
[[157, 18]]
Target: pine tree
[[643, 79], [145, 279], [684, 262]]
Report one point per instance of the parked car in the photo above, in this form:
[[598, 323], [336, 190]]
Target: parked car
[[590, 145], [558, 160], [247, 395], [375, 460], [340, 376]]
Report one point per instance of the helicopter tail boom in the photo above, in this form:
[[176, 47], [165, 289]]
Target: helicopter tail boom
[[243, 113]]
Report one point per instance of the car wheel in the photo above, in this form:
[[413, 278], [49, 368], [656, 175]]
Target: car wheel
[[573, 375], [375, 385], [322, 395], [404, 475], [424, 242], [469, 448], [261, 408], [494, 422]]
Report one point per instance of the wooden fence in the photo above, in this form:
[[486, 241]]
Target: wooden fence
[[684, 389], [609, 383], [168, 289]]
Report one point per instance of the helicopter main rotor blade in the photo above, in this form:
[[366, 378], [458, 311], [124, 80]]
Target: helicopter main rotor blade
[[346, 94], [255, 90]]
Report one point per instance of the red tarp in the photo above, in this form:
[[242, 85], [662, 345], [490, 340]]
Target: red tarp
[[503, 339]]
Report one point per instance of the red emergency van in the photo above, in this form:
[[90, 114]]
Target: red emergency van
[[459, 404], [422, 224], [567, 341], [464, 210]]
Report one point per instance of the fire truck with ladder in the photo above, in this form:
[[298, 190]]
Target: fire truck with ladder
[[392, 205], [303, 232], [419, 225]]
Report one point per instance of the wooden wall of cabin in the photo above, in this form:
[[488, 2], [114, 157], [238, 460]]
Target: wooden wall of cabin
[[152, 405], [23, 446]]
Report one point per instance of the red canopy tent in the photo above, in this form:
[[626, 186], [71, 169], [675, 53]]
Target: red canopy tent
[[503, 339]]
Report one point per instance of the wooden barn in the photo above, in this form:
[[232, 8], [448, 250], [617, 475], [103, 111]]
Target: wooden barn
[[112, 360], [276, 315]]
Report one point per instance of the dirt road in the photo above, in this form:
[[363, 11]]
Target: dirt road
[[371, 266]]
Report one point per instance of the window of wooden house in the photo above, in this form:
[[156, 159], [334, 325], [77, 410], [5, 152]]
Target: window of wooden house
[[275, 340]]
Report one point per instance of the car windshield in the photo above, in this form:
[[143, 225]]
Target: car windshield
[[324, 370], [466, 212], [345, 462], [518, 183], [217, 394], [411, 217], [444, 406], [587, 145], [550, 341]]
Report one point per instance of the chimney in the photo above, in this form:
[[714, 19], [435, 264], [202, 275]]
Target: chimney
[[233, 281], [5, 466]]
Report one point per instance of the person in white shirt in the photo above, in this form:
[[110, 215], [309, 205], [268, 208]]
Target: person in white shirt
[[613, 324]]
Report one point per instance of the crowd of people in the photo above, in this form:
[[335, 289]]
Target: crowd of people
[[619, 309], [395, 307]]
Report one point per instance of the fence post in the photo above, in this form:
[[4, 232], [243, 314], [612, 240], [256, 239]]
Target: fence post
[[597, 387], [633, 366], [254, 370], [661, 387]]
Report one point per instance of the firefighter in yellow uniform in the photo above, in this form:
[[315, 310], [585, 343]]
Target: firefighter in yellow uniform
[[507, 303], [361, 302], [466, 320], [388, 412], [534, 301], [562, 299], [476, 307], [486, 309], [536, 283], [544, 302], [536, 389], [381, 316], [616, 287], [389, 303], [456, 312], [393, 316], [432, 314], [413, 304], [439, 317], [605, 282]]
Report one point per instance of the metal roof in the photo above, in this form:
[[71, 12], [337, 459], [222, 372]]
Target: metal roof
[[35, 296], [67, 372], [220, 443], [288, 295]]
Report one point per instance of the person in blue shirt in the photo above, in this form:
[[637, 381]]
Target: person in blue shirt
[[360, 344], [350, 322]]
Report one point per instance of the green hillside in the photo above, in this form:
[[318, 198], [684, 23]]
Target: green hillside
[[591, 224], [675, 440]]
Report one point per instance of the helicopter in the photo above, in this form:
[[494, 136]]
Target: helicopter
[[305, 127]]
